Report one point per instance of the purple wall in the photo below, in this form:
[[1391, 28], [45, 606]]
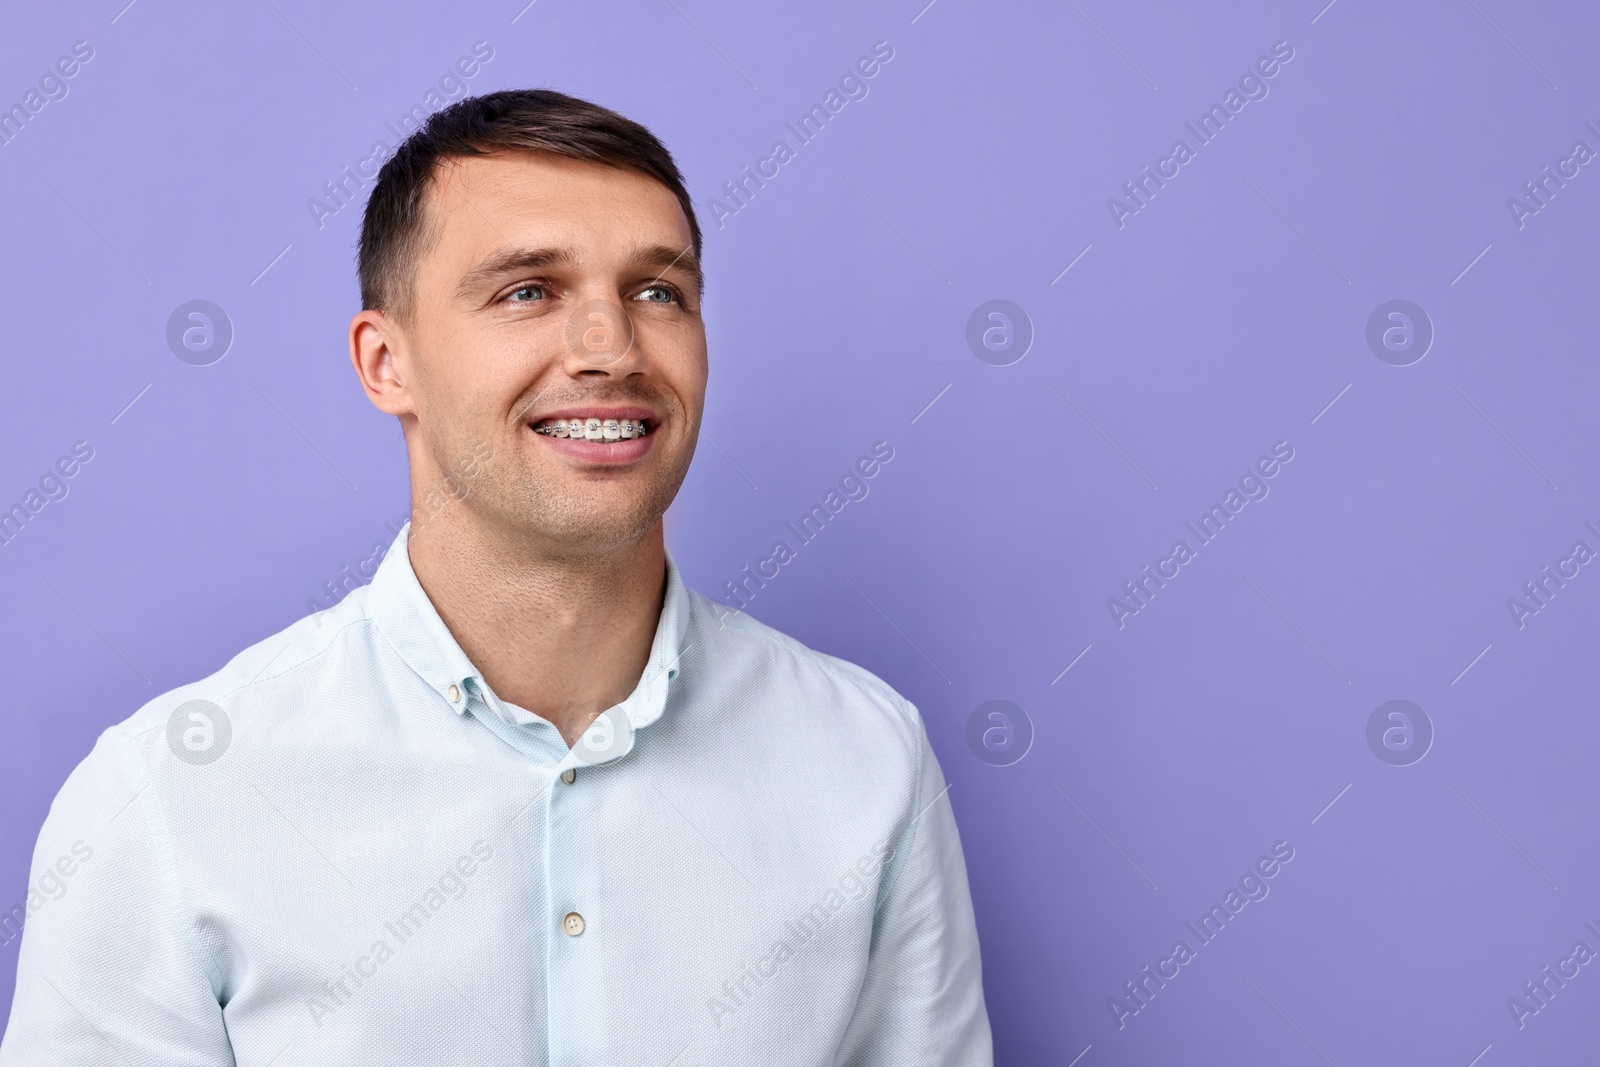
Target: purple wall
[[1173, 341]]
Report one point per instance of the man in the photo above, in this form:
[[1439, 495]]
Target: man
[[525, 798]]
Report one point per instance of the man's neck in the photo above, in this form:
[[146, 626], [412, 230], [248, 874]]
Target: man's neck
[[565, 638]]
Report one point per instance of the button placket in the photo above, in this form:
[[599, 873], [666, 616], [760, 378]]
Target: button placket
[[576, 976]]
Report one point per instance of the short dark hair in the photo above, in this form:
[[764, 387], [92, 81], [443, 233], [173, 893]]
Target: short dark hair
[[394, 231]]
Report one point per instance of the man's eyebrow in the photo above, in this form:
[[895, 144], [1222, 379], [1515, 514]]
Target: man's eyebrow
[[514, 259], [666, 258], [661, 257]]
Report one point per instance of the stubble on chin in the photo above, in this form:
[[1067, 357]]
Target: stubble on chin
[[563, 513]]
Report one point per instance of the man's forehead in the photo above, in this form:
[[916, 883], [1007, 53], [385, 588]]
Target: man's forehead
[[531, 169], [541, 191]]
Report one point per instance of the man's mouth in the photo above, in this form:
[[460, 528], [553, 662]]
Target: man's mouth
[[600, 430]]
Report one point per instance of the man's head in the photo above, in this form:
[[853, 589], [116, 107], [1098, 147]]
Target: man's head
[[528, 257]]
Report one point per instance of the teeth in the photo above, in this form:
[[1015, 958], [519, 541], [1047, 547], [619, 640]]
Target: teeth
[[593, 429]]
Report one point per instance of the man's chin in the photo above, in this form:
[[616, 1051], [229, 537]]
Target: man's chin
[[588, 520]]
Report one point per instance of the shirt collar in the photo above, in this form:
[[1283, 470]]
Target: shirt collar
[[400, 608]]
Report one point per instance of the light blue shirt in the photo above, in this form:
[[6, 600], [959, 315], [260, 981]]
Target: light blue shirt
[[341, 848]]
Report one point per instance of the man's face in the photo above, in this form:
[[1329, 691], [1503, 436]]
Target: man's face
[[558, 291]]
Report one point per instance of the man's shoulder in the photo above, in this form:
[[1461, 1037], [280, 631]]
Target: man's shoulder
[[260, 667], [192, 723], [818, 715], [802, 665]]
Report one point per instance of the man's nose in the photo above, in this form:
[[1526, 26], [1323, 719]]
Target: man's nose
[[599, 336]]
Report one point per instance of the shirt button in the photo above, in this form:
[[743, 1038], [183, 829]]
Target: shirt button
[[572, 924], [569, 776], [454, 692]]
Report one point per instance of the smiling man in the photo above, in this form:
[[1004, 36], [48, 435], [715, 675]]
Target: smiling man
[[526, 798]]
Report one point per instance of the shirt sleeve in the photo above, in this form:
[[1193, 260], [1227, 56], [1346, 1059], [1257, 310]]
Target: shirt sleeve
[[921, 1002], [110, 971]]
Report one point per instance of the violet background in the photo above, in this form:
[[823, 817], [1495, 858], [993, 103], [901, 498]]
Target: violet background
[[1223, 317]]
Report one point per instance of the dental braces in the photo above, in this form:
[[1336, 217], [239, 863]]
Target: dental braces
[[593, 429]]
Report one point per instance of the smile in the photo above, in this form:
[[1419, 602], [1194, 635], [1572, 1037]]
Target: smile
[[601, 430]]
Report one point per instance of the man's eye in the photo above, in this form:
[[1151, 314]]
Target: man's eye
[[664, 294], [516, 295]]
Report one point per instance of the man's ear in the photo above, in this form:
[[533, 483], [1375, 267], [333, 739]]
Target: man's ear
[[374, 341]]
